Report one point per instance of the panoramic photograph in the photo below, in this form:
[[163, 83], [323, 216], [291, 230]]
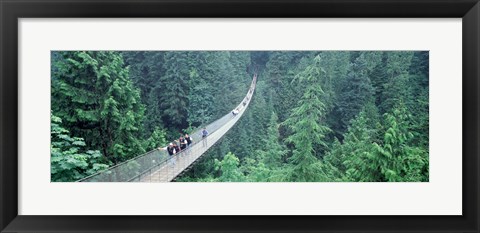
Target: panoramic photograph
[[239, 116]]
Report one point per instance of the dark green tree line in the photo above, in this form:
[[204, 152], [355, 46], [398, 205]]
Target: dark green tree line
[[315, 115]]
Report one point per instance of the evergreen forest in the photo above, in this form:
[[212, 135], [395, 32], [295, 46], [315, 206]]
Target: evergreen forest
[[315, 116]]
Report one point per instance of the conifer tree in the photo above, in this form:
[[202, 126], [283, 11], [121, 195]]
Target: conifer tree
[[353, 158], [397, 158], [336, 65], [145, 70], [229, 91], [279, 77], [272, 152], [156, 139], [267, 165], [119, 104], [243, 141], [308, 127], [418, 101], [356, 92], [378, 78], [172, 90], [396, 87], [224, 147], [92, 93], [261, 112], [201, 97]]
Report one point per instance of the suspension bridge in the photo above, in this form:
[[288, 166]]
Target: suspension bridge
[[158, 166]]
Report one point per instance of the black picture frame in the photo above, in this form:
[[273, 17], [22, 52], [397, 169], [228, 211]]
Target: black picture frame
[[12, 10]]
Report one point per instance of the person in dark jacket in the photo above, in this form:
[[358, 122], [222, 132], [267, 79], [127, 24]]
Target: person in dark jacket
[[189, 140], [171, 152], [183, 143]]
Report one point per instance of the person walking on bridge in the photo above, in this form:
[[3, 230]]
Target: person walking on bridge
[[204, 137], [183, 143], [235, 112], [176, 147], [171, 152], [189, 142]]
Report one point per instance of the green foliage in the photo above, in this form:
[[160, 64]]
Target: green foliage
[[308, 129], [229, 169], [92, 93], [272, 153], [70, 161], [356, 91], [336, 65], [353, 158], [121, 104], [344, 91], [201, 101], [145, 69], [156, 140], [172, 90], [396, 87], [279, 76], [397, 158], [260, 172]]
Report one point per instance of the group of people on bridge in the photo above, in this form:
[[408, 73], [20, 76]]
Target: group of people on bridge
[[183, 144], [246, 99]]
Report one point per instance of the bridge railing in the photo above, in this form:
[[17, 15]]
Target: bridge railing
[[140, 166], [179, 163]]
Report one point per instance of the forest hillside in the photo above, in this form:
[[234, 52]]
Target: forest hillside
[[316, 116]]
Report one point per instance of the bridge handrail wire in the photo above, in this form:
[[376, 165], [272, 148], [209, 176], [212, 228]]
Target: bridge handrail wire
[[180, 162], [156, 157]]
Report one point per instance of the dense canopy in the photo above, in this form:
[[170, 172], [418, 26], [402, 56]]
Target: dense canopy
[[316, 116]]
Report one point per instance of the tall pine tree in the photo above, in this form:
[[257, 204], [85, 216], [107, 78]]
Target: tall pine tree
[[307, 123], [356, 92]]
